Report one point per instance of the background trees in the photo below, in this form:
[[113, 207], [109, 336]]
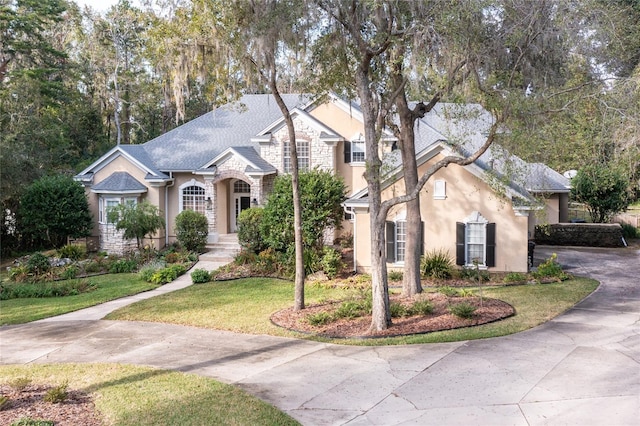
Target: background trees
[[602, 190], [52, 209]]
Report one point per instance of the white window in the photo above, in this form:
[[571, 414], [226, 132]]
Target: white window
[[303, 148], [401, 240], [475, 241], [106, 203], [358, 151], [193, 198], [439, 190]]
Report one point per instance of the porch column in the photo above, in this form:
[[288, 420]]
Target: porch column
[[211, 192]]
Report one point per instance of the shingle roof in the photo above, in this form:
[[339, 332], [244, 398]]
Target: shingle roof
[[120, 182], [192, 145]]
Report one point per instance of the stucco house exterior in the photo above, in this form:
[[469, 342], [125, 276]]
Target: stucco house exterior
[[226, 161]]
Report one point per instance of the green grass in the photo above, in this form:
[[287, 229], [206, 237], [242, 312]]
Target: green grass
[[129, 395], [110, 287], [245, 306]]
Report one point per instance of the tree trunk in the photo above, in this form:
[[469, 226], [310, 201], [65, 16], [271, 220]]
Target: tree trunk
[[297, 207], [381, 314], [411, 284]]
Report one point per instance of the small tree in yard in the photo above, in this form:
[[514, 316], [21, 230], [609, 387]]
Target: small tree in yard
[[602, 190], [249, 235], [321, 196], [191, 230], [137, 220], [52, 209]]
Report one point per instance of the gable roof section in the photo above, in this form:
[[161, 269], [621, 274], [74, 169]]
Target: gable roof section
[[326, 132], [135, 154], [461, 129], [247, 154], [191, 146], [119, 183]]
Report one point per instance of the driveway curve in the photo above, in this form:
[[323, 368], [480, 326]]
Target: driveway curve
[[582, 368]]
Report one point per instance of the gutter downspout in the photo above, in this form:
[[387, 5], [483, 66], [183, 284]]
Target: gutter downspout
[[166, 209]]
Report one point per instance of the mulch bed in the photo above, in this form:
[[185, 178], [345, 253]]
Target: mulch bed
[[441, 319]]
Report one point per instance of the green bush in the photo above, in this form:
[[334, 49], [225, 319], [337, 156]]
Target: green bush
[[150, 268], [331, 262], [20, 383], [168, 274], [72, 251], [472, 274], [463, 310], [319, 318], [38, 264], [192, 229], [398, 310], [395, 275], [123, 266], [437, 264], [448, 291], [249, 233], [41, 290], [200, 276], [92, 267], [550, 268], [422, 307], [70, 272], [57, 394], [515, 277], [353, 308], [630, 231]]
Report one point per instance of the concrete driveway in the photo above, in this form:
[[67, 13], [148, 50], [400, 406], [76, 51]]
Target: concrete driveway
[[582, 368]]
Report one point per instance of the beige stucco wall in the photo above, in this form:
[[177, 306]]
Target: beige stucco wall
[[346, 126], [465, 194]]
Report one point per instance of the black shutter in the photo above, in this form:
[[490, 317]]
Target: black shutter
[[460, 243], [421, 245], [347, 152], [390, 232], [491, 244]]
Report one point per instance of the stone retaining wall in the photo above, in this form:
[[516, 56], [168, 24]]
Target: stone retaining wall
[[580, 234]]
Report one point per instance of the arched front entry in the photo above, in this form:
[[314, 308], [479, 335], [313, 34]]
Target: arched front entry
[[240, 199]]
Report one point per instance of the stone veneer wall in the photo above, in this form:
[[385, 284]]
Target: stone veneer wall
[[580, 234], [321, 154], [112, 242]]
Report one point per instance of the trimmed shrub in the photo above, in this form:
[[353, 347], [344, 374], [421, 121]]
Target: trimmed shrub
[[398, 310], [123, 266], [422, 307], [319, 318], [38, 264], [72, 251], [249, 233], [70, 272], [395, 275], [200, 276], [150, 268], [57, 394], [437, 264], [192, 229], [550, 268], [463, 310], [514, 277], [331, 262]]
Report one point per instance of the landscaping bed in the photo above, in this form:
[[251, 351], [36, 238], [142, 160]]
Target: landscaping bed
[[486, 311]]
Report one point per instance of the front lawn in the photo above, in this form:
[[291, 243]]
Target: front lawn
[[245, 305], [130, 395], [109, 287]]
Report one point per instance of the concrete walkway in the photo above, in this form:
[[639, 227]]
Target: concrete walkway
[[582, 368]]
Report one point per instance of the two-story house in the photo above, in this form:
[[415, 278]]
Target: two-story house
[[226, 161]]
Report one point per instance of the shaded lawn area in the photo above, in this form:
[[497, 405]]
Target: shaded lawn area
[[245, 306], [110, 287], [130, 395]]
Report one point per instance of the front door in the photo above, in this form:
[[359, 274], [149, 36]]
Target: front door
[[241, 200]]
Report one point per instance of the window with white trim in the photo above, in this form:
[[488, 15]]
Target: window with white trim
[[396, 240], [355, 150], [303, 149], [108, 202], [192, 198], [439, 189], [475, 241]]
